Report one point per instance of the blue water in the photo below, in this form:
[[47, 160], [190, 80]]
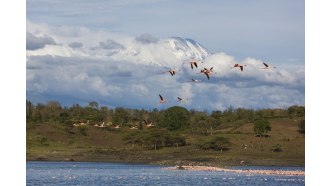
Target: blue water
[[90, 173]]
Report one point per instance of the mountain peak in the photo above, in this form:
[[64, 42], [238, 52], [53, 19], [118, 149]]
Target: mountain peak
[[185, 48]]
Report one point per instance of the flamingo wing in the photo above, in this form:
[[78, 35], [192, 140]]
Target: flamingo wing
[[207, 75]]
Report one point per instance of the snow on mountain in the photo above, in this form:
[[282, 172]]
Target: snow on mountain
[[187, 48], [163, 52]]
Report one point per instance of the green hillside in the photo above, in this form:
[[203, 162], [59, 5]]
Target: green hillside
[[207, 139]]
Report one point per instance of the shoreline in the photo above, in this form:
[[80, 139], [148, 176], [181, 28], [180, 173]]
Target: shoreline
[[199, 168], [245, 171]]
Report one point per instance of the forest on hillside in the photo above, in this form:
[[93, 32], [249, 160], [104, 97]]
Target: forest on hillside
[[173, 118]]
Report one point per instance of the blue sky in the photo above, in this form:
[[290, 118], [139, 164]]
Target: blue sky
[[267, 29], [233, 31]]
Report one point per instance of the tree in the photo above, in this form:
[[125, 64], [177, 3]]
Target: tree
[[29, 110], [301, 126], [176, 118], [217, 116], [261, 127], [216, 143], [93, 104], [296, 111], [121, 116]]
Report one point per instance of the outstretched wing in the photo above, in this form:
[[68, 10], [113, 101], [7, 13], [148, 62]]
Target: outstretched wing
[[265, 65], [207, 75]]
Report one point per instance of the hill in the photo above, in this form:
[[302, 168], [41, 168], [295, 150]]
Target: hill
[[224, 146]]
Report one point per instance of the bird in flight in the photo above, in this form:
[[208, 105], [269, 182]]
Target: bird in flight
[[148, 124], [238, 65], [162, 100], [267, 66], [207, 72], [195, 80], [172, 72], [193, 63]]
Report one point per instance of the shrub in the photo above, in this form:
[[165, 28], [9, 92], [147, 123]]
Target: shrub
[[83, 130], [216, 143], [261, 127], [276, 148]]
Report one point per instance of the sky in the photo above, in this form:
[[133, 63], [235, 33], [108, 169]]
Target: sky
[[117, 52]]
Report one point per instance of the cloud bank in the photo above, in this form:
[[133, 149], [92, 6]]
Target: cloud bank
[[78, 65]]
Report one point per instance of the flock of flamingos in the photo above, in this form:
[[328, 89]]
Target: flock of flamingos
[[193, 64], [206, 72]]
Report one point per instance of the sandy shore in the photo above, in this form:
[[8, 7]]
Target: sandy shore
[[246, 171]]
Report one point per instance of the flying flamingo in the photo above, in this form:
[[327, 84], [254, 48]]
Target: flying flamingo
[[240, 66], [148, 124], [162, 100], [102, 125], [171, 71], [192, 64], [116, 126], [207, 72], [267, 66], [195, 80], [134, 127]]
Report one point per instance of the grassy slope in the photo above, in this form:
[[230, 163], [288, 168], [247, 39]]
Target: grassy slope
[[53, 142]]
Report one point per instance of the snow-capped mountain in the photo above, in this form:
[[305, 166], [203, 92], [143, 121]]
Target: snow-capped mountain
[[164, 52], [185, 48], [161, 52]]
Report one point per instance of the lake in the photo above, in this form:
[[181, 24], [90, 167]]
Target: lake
[[93, 173]]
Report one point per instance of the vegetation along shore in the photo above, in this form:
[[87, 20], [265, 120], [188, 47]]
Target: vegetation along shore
[[173, 136]]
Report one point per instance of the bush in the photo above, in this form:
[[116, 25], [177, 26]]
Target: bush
[[276, 148], [216, 143], [261, 127], [83, 130], [155, 138]]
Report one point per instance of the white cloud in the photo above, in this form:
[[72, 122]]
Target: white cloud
[[117, 70]]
